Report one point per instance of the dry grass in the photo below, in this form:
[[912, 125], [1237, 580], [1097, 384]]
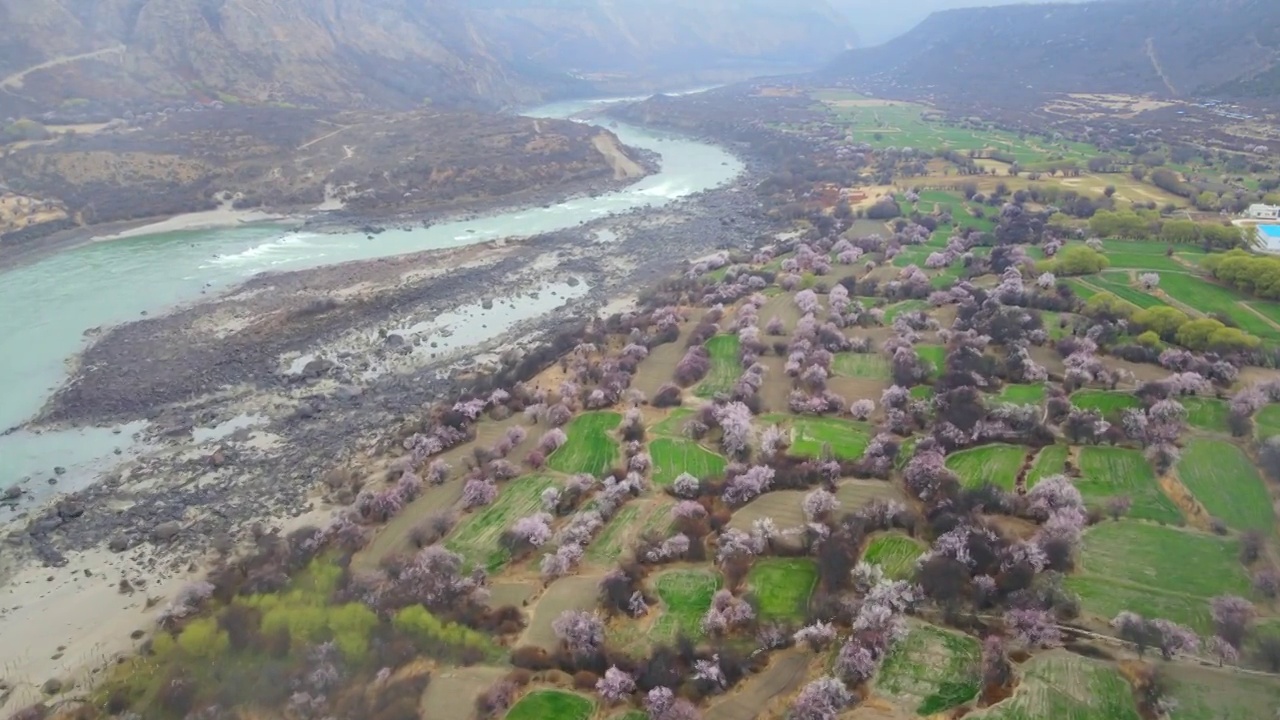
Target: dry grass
[[452, 692], [576, 592], [785, 674]]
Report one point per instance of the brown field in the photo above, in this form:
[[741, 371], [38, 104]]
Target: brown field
[[657, 368], [511, 593], [393, 537], [784, 675], [777, 385], [783, 506], [575, 592], [453, 691], [783, 306], [856, 493], [858, 388]]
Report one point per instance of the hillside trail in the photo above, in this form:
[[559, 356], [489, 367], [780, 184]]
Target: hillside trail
[[15, 81], [1262, 317], [1150, 47]]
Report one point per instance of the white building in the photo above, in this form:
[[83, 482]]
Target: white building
[[1263, 212]]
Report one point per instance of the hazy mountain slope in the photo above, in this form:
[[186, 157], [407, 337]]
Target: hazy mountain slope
[[878, 22], [635, 36], [1167, 47], [363, 53]]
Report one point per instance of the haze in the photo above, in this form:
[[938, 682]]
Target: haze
[[878, 22]]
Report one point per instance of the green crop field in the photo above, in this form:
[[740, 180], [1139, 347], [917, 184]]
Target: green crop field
[[671, 457], [1267, 421], [848, 439], [1206, 413], [686, 597], [935, 354], [1063, 686], [1156, 571], [1082, 291], [1118, 284], [1210, 694], [872, 366], [673, 424], [1108, 402], [922, 392], [1051, 460], [782, 587], [476, 537], [896, 309], [996, 464], [1271, 310], [1111, 471], [1224, 480], [1021, 394], [557, 704], [1210, 299], [896, 554], [932, 669], [725, 366], [590, 448]]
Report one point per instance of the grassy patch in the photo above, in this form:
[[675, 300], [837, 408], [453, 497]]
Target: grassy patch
[[1108, 402], [686, 597], [782, 587], [725, 366], [557, 704], [590, 448], [672, 457], [996, 464], [1156, 571], [1118, 283], [1082, 291], [476, 537], [1209, 694], [871, 366], [848, 439], [922, 392], [1223, 479], [1211, 299], [1267, 421], [1063, 686], [896, 309], [1022, 394], [1051, 460], [896, 554], [1111, 471], [1206, 413], [933, 669], [935, 354], [673, 424]]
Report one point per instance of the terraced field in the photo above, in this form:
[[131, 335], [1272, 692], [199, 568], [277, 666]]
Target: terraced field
[[686, 597], [931, 670], [1156, 571], [996, 464], [557, 704], [1051, 460], [1108, 402], [782, 587], [476, 537], [725, 367], [1206, 413], [590, 449], [1063, 686], [847, 439], [671, 457], [1108, 472], [1021, 394], [871, 366], [895, 553], [1225, 481]]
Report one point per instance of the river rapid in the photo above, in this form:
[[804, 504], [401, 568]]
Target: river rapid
[[47, 309]]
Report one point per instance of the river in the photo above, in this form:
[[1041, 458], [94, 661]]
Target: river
[[48, 306]]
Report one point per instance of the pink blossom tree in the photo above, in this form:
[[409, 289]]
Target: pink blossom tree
[[1033, 628], [615, 686], [581, 632], [823, 699]]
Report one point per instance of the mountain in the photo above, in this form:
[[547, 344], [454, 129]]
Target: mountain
[[877, 23], [68, 54], [1181, 48]]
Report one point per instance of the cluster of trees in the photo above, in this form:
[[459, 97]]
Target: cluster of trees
[[1075, 260], [1154, 325], [1148, 225], [1257, 275]]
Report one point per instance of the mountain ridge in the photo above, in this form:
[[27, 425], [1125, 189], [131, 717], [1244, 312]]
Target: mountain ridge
[[1179, 48], [380, 53]]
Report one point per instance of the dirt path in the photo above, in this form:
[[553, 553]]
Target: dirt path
[[322, 138], [1254, 310], [1155, 63], [15, 81], [1196, 514]]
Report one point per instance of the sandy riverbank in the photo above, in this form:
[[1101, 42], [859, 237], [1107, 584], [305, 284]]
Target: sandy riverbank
[[222, 217]]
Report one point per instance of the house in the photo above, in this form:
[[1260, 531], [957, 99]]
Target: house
[[1263, 212]]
